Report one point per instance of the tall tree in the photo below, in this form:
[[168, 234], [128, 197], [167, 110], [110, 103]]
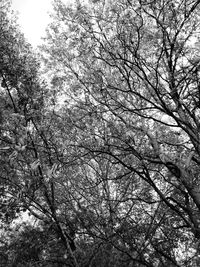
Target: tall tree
[[29, 145], [19, 94], [128, 71]]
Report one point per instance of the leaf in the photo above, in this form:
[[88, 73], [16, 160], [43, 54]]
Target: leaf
[[20, 195], [5, 148], [22, 139], [13, 156], [20, 147], [17, 115], [187, 163], [52, 172], [35, 164], [54, 168]]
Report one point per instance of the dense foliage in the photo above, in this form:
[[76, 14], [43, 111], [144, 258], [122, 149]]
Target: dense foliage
[[106, 155]]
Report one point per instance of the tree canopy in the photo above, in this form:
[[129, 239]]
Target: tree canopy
[[104, 155]]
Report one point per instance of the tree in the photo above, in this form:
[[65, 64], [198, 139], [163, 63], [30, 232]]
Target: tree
[[129, 73], [107, 157], [28, 154], [21, 95]]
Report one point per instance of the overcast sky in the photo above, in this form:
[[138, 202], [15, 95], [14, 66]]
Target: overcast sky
[[33, 18]]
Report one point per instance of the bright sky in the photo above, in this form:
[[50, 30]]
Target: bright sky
[[33, 18]]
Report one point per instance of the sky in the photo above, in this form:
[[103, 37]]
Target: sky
[[33, 18]]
